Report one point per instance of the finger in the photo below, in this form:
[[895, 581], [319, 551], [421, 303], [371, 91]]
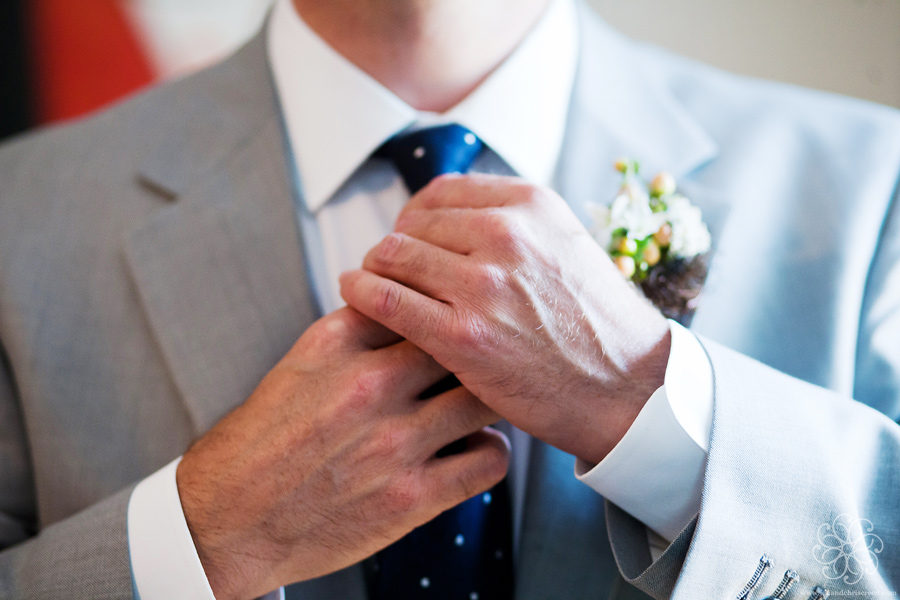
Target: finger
[[419, 265], [412, 370], [456, 478], [451, 416], [414, 316], [470, 191], [453, 229], [358, 330], [497, 231]]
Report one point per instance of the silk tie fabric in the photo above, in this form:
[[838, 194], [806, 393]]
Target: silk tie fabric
[[466, 552]]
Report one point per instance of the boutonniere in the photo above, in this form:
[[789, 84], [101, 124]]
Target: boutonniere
[[657, 239]]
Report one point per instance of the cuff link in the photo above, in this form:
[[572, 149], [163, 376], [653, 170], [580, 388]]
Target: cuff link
[[819, 593], [790, 576], [765, 563]]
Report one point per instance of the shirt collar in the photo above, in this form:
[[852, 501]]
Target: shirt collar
[[336, 115]]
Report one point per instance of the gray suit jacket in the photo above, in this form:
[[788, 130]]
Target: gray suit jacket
[[151, 272]]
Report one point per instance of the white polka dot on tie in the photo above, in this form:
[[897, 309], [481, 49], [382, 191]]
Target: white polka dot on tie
[[425, 582], [473, 596], [498, 554], [419, 152], [460, 540], [486, 498], [469, 138]]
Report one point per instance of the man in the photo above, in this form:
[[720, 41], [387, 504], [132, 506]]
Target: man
[[152, 279]]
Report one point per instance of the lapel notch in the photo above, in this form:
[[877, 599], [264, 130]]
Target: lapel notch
[[222, 279]]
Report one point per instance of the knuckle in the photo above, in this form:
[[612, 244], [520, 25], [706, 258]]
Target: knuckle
[[359, 396], [387, 300], [504, 232], [387, 442], [533, 194], [430, 195], [366, 387], [328, 333], [529, 194], [490, 471], [388, 249], [471, 334], [405, 495], [490, 279], [316, 340], [403, 441]]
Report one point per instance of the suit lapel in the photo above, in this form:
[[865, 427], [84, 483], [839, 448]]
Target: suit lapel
[[222, 279], [220, 271]]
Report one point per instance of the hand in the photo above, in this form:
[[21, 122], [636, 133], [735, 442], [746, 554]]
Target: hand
[[331, 459], [500, 282]]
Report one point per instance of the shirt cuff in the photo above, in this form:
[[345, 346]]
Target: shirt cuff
[[164, 561], [655, 473]]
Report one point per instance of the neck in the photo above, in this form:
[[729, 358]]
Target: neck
[[430, 53]]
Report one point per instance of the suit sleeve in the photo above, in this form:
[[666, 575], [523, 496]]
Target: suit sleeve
[[797, 474], [82, 557]]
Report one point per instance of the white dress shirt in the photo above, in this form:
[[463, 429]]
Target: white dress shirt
[[335, 116]]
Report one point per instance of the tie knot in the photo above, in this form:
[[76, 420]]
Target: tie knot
[[422, 155]]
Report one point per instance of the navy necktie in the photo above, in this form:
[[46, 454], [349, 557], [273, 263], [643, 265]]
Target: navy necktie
[[466, 552], [422, 155]]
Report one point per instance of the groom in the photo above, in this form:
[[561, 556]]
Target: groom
[[165, 264]]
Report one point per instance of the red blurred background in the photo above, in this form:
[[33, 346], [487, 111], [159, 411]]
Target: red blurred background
[[85, 55], [61, 59]]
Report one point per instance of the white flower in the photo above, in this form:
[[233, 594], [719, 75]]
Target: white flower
[[629, 211], [690, 235]]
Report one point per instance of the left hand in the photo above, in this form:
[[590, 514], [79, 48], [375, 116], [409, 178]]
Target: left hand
[[500, 283]]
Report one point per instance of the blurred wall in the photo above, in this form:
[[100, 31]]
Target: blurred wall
[[846, 46], [64, 58], [183, 35]]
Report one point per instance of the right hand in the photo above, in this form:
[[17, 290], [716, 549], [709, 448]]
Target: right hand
[[331, 459]]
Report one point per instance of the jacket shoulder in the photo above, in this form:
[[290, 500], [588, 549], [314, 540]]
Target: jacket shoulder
[[724, 102]]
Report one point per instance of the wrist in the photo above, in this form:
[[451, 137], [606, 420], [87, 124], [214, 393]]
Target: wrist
[[644, 374], [227, 577]]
